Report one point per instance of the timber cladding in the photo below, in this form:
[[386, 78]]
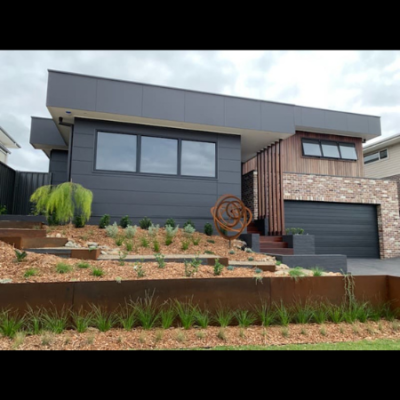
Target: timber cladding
[[294, 161]]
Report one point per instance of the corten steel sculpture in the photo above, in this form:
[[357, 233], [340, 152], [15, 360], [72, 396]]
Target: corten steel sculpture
[[231, 215]]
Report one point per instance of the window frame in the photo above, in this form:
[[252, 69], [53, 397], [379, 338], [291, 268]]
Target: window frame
[[322, 157], [139, 136], [378, 152]]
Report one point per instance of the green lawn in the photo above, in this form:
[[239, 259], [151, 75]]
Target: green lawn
[[382, 344]]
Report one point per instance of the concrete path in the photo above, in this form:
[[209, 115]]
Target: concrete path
[[369, 266]]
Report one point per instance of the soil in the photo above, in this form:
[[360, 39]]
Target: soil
[[176, 338]]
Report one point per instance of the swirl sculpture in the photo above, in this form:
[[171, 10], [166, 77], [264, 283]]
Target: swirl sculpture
[[230, 215]]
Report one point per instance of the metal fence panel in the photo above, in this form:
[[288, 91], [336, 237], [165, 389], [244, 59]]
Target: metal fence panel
[[7, 182]]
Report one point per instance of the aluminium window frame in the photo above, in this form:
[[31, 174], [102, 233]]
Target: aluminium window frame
[[178, 175], [322, 157], [379, 154]]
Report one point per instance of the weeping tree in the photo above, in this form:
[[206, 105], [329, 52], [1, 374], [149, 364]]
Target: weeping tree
[[63, 202]]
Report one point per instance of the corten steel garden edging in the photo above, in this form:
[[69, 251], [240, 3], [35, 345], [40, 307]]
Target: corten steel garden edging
[[209, 293]]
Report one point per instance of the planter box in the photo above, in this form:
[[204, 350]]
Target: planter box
[[85, 254], [301, 244], [252, 240]]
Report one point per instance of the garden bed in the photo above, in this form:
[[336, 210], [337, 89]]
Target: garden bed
[[178, 338]]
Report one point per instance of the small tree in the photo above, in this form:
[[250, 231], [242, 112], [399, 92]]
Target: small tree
[[63, 202]]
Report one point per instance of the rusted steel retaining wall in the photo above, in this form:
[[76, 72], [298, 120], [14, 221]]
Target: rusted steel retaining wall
[[209, 293]]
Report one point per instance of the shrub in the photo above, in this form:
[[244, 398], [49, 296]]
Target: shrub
[[189, 223], [138, 268], [104, 221], [294, 231], [171, 231], [129, 245], [231, 252], [3, 210], [168, 241], [189, 230], [317, 271], [63, 268], [245, 318], [156, 246], [125, 221], [230, 268], [153, 230], [170, 222], [122, 257], [97, 272], [144, 242], [296, 272], [160, 260], [21, 255], [130, 231], [64, 201], [208, 229], [248, 250], [208, 252], [145, 223], [83, 265], [278, 262], [191, 267], [195, 241], [210, 241], [251, 258], [119, 240], [258, 271], [218, 267], [185, 245], [112, 230], [78, 221], [30, 272]]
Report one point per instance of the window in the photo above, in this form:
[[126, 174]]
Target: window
[[311, 148], [372, 157], [329, 149], [123, 152], [116, 152], [159, 155], [198, 158], [348, 151]]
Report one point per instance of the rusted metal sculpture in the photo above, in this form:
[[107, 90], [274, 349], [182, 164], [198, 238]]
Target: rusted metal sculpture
[[230, 215]]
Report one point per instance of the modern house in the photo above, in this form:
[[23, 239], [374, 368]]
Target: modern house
[[6, 143], [162, 152], [382, 159]]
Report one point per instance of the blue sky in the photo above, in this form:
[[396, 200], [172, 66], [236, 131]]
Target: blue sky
[[366, 82]]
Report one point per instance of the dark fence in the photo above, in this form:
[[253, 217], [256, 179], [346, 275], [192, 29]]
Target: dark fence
[[16, 187]]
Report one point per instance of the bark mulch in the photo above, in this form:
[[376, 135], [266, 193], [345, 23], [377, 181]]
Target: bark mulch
[[178, 338]]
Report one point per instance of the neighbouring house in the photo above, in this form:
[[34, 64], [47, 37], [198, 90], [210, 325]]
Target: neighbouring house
[[6, 143], [161, 152], [382, 159]]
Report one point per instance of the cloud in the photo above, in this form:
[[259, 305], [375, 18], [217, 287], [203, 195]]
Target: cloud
[[355, 81]]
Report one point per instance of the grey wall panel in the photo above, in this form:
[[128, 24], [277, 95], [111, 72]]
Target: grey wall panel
[[73, 91], [119, 97], [277, 117], [242, 113], [156, 196], [374, 124], [163, 103], [313, 117], [228, 140], [45, 132], [201, 108], [228, 153], [7, 183], [58, 166], [335, 120], [339, 228], [357, 123]]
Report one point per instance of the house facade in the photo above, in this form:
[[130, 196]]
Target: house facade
[[6, 143], [382, 159], [161, 152]]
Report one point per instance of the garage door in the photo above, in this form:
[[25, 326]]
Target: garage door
[[339, 228]]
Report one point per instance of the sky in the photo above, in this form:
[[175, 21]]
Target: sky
[[366, 82]]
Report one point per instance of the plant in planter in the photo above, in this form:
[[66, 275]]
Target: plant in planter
[[3, 210], [294, 231], [63, 202]]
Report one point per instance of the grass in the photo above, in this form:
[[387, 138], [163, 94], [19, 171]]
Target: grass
[[97, 272], [54, 321], [317, 271], [30, 272], [266, 315], [296, 272], [129, 245], [245, 318], [210, 241], [208, 252], [127, 317], [200, 335], [285, 332], [63, 268], [158, 336], [146, 312], [202, 318], [156, 246], [160, 260], [83, 265], [185, 245], [303, 314], [322, 331], [102, 319], [119, 240], [19, 339], [10, 323], [195, 241], [187, 313], [21, 255], [168, 241], [221, 335], [379, 344], [283, 315], [81, 320], [167, 316], [144, 242], [180, 337], [218, 267], [224, 316]]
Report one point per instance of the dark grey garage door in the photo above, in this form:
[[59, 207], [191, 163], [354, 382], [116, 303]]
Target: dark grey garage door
[[339, 228]]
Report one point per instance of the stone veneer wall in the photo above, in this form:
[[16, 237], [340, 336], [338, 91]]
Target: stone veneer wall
[[249, 192], [397, 179], [382, 192]]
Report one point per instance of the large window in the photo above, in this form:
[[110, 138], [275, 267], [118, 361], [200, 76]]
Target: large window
[[155, 155], [198, 158], [329, 149], [159, 156], [116, 152], [379, 155]]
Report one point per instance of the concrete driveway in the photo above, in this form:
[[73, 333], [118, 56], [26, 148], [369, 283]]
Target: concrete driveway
[[369, 266]]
